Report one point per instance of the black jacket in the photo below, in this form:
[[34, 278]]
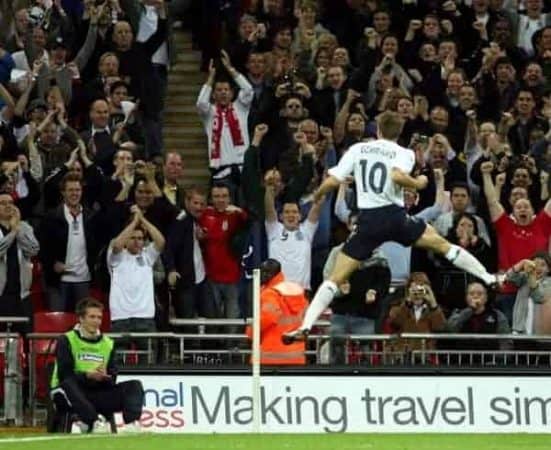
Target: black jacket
[[136, 63], [53, 236], [178, 254]]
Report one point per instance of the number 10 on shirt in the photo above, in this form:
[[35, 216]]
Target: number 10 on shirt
[[374, 176]]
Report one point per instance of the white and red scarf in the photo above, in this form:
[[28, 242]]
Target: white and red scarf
[[220, 115]]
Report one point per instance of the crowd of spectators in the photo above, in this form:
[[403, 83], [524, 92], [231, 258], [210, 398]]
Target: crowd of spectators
[[85, 181]]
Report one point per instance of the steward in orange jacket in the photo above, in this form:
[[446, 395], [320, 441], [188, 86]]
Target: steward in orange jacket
[[282, 305]]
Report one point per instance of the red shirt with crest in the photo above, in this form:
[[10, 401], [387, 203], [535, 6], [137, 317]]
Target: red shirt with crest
[[221, 265], [516, 242]]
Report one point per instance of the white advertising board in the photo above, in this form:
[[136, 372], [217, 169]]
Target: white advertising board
[[325, 404]]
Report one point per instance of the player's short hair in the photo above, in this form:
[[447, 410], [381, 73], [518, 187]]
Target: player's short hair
[[86, 303], [390, 125]]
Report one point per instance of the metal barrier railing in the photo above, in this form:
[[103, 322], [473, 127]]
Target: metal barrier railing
[[179, 350], [13, 372]]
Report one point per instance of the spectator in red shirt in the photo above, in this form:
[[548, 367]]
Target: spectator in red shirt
[[220, 222], [518, 236]]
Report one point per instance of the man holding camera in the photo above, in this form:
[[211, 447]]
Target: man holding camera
[[417, 313]]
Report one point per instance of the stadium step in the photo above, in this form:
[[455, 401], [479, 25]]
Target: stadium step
[[183, 131]]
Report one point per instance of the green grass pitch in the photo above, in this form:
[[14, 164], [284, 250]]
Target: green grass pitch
[[280, 442]]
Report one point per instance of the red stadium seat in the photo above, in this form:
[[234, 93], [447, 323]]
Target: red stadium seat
[[54, 322], [44, 349]]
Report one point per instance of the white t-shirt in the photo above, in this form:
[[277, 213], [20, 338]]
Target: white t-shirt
[[371, 164], [76, 265], [526, 29], [293, 250], [132, 294]]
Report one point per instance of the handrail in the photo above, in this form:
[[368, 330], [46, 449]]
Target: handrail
[[378, 337], [227, 322], [206, 321], [465, 336], [160, 335], [13, 319], [11, 335], [406, 357]]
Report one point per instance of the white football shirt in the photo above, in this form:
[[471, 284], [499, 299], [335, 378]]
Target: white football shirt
[[371, 164], [132, 293], [293, 250]]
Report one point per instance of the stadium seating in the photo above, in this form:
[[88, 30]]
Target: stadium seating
[[44, 349], [53, 322]]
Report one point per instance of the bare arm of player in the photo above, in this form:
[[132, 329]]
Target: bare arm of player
[[329, 184], [494, 206], [403, 179]]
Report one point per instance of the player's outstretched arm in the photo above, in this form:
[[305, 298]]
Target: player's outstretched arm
[[329, 184], [403, 179]]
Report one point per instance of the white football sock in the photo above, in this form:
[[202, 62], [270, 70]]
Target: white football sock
[[461, 258], [322, 299]]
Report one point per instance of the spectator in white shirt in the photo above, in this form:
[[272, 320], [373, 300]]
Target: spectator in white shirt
[[290, 241], [526, 25], [67, 238], [225, 121], [130, 262], [39, 39]]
